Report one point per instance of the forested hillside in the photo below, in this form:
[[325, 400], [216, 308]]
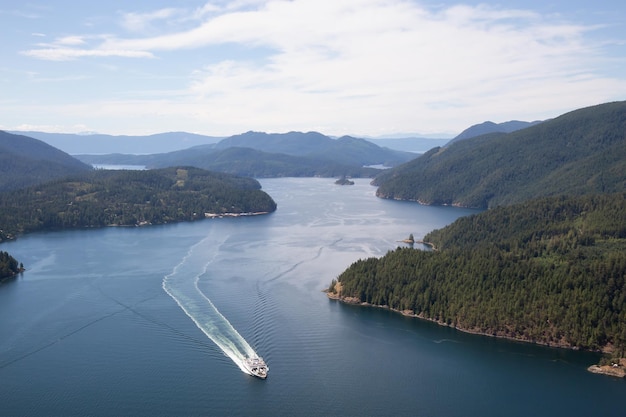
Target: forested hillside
[[26, 161], [549, 271], [103, 198], [578, 153], [345, 150]]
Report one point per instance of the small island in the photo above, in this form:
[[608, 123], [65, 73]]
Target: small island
[[344, 181], [410, 240]]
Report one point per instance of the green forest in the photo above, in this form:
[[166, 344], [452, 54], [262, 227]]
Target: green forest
[[128, 198], [548, 271]]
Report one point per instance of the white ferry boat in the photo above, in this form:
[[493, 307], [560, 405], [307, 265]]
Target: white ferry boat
[[256, 366]]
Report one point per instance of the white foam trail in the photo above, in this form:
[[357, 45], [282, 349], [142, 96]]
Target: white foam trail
[[182, 286]]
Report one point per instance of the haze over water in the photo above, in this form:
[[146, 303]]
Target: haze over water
[[89, 329]]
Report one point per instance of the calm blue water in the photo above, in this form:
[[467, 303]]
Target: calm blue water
[[90, 329]]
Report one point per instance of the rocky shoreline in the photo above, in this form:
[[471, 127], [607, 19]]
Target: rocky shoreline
[[221, 215], [610, 370], [617, 369]]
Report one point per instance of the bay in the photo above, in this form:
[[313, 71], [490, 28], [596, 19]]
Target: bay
[[89, 329]]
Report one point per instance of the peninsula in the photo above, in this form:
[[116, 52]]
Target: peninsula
[[548, 271], [130, 198], [615, 368], [9, 266]]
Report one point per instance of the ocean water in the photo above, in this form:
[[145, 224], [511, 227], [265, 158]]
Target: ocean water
[[155, 321]]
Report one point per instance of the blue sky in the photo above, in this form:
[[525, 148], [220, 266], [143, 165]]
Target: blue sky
[[360, 67]]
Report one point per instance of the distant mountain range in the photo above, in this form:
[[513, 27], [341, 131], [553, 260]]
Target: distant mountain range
[[260, 155], [26, 161], [578, 153], [102, 144]]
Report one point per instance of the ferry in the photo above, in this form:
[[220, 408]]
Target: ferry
[[256, 366]]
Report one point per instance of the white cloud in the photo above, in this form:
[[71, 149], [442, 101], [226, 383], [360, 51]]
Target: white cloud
[[48, 128], [71, 40], [388, 59], [138, 22], [377, 65], [71, 47], [65, 54]]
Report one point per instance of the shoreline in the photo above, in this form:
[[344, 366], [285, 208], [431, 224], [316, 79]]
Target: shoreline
[[615, 371], [12, 277], [221, 215], [143, 223]]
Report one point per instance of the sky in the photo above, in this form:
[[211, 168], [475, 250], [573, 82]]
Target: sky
[[359, 67]]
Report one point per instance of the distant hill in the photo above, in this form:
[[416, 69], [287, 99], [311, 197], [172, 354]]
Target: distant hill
[[26, 161], [261, 155], [491, 127], [578, 153], [104, 144], [292, 143], [345, 150]]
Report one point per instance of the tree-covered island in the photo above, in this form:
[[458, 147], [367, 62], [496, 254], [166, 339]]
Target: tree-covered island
[[129, 198], [549, 271], [344, 181]]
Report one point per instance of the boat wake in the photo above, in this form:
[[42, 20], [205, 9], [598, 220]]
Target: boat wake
[[182, 286]]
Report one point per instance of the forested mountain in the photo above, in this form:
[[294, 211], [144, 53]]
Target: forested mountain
[[26, 161], [578, 153], [103, 198], [491, 127], [256, 154], [96, 143], [346, 150], [292, 143], [549, 271]]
